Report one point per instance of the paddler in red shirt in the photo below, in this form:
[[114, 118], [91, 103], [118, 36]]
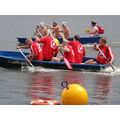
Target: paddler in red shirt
[[35, 50], [68, 54], [49, 47], [106, 50], [77, 47]]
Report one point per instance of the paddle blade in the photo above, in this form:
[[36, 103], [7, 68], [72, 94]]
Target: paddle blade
[[67, 63]]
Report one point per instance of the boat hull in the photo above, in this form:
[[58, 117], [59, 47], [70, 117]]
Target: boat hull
[[83, 40], [15, 60]]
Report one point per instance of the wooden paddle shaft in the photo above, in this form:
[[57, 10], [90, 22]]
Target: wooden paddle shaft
[[25, 57]]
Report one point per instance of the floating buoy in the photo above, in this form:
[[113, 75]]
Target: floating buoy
[[87, 30], [45, 102], [74, 94], [57, 41]]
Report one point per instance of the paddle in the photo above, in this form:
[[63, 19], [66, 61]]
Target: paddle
[[105, 57], [25, 57], [65, 60]]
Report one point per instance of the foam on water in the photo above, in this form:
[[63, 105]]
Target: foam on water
[[3, 69], [108, 71], [37, 69], [112, 72]]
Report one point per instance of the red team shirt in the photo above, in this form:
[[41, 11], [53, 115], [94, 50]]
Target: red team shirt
[[49, 47], [69, 55], [78, 49], [36, 49], [107, 52]]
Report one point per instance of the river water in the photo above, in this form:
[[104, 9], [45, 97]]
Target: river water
[[21, 87]]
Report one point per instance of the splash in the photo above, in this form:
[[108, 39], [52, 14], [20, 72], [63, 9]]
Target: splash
[[3, 69], [106, 72], [37, 69], [112, 72]]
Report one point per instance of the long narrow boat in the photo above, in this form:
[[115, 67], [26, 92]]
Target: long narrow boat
[[14, 60], [83, 40]]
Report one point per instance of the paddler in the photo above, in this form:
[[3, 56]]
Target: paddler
[[68, 54], [95, 30], [78, 48], [107, 52], [35, 50], [50, 49], [42, 31], [65, 30], [56, 29]]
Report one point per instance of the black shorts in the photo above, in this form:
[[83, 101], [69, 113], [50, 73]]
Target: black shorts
[[46, 60], [61, 60], [96, 61]]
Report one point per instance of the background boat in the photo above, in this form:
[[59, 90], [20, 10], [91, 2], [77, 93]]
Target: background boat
[[83, 40]]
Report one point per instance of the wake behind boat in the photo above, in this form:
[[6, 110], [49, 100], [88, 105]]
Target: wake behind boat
[[14, 60], [83, 40]]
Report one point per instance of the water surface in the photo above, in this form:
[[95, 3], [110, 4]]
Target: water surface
[[21, 87]]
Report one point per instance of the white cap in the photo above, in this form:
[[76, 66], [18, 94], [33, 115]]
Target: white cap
[[64, 23], [42, 23]]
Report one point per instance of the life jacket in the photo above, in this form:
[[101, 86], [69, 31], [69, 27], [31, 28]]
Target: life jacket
[[100, 30]]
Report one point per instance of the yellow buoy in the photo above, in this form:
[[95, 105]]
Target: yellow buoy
[[57, 41], [87, 30], [74, 95]]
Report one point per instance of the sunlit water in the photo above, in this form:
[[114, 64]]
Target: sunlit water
[[20, 87]]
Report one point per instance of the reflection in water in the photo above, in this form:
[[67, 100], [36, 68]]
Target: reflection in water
[[47, 86], [103, 89], [42, 86], [74, 78]]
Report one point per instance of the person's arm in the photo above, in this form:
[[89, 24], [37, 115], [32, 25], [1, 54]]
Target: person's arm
[[95, 46], [111, 61], [64, 39], [93, 31], [42, 40], [37, 34], [89, 32], [65, 49], [32, 58], [47, 33], [111, 55], [51, 27], [24, 47], [68, 31]]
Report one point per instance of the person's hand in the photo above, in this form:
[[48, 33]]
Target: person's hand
[[29, 61], [18, 47], [110, 63], [47, 25], [95, 44], [61, 34], [60, 48], [37, 39]]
